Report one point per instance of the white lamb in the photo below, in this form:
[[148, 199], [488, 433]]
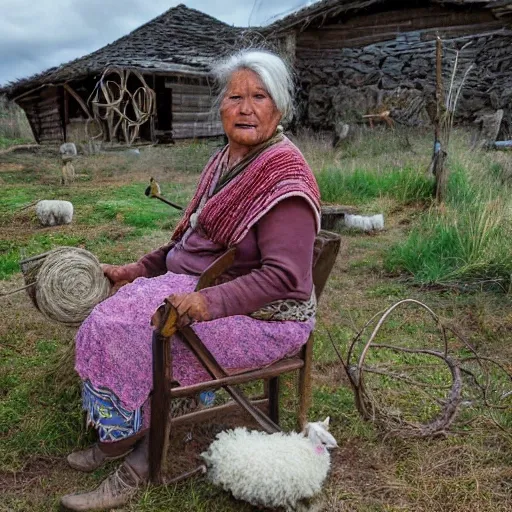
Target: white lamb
[[54, 213], [277, 470]]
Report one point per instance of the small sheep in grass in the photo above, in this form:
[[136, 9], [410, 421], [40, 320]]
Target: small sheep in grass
[[277, 470], [364, 222], [54, 213]]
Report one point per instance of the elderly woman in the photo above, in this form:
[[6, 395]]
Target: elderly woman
[[257, 195]]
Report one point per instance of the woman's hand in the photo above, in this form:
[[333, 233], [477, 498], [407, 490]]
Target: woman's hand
[[190, 306], [120, 275]]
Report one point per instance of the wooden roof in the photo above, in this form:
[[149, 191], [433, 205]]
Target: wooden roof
[[319, 12], [182, 40]]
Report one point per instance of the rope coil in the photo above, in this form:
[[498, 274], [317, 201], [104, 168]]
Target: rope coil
[[65, 284]]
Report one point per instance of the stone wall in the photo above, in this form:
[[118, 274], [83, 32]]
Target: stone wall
[[342, 84]]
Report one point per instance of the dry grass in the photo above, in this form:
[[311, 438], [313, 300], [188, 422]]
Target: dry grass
[[40, 415], [14, 125]]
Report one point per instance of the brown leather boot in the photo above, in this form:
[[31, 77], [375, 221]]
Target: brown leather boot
[[116, 490], [91, 458]]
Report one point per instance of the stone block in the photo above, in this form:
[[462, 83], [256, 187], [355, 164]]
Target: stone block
[[68, 150]]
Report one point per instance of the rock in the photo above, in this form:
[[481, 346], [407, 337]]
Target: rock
[[342, 76], [392, 66], [68, 150], [421, 63], [472, 102], [320, 106], [372, 78], [369, 59], [54, 213], [489, 128], [341, 131], [388, 83], [354, 78], [349, 105]]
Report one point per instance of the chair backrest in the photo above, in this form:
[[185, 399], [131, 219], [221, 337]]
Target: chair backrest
[[327, 246]]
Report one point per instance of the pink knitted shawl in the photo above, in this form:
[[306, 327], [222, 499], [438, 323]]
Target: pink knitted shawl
[[277, 173]]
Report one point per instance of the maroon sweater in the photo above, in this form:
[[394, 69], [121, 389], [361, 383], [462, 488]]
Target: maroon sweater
[[272, 262]]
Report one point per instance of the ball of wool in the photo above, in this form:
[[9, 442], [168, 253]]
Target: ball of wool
[[68, 284]]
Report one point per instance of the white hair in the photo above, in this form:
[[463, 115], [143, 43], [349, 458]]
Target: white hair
[[271, 70]]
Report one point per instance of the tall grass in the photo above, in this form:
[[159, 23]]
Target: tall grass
[[467, 241], [407, 185], [369, 165], [14, 126]]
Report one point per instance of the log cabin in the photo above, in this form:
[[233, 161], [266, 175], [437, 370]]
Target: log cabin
[[171, 55]]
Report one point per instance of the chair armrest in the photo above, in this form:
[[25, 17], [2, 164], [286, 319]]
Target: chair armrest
[[216, 269]]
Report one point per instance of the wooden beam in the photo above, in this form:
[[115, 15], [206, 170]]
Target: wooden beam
[[287, 365], [80, 101]]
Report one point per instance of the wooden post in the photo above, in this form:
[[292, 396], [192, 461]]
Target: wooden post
[[441, 176], [439, 156], [439, 87], [305, 384], [152, 128]]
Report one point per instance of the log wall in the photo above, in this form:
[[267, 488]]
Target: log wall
[[386, 60], [192, 112]]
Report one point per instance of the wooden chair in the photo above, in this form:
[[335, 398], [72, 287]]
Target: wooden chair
[[264, 410]]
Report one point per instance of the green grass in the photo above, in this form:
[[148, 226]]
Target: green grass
[[467, 242], [5, 142], [407, 185], [40, 416], [124, 211], [128, 205]]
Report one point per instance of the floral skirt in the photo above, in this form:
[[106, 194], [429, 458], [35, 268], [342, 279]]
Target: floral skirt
[[114, 359]]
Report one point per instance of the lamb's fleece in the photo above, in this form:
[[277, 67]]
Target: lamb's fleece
[[266, 470], [54, 213]]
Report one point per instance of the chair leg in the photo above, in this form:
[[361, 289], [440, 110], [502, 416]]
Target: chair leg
[[305, 384], [160, 408], [273, 399]]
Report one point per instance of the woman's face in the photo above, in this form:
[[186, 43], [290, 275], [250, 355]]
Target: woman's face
[[248, 113]]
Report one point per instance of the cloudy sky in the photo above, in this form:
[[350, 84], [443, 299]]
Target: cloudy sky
[[38, 34]]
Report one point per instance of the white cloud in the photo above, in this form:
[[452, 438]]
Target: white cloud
[[36, 35]]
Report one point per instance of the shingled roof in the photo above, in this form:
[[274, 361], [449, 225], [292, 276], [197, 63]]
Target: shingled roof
[[321, 11], [180, 40]]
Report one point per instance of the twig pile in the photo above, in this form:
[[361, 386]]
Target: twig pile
[[420, 391]]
